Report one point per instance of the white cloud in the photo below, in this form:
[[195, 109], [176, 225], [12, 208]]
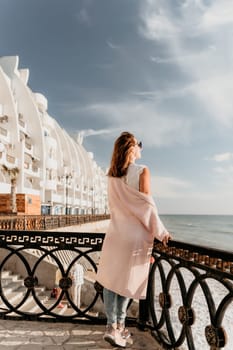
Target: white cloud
[[168, 186], [178, 196], [219, 14], [92, 132], [222, 157], [156, 24], [215, 204], [142, 118], [223, 175], [159, 21], [83, 16], [197, 3], [210, 67], [224, 180], [185, 57], [216, 94], [226, 173], [112, 45], [164, 94]]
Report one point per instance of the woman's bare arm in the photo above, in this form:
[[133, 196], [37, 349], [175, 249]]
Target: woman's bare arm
[[144, 181], [144, 186]]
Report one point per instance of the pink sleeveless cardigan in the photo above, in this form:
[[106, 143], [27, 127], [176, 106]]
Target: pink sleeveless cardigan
[[125, 257]]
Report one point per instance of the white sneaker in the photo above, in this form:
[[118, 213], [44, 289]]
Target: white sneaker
[[125, 333], [113, 336]]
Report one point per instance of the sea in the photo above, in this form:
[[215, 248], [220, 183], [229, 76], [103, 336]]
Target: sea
[[211, 231]]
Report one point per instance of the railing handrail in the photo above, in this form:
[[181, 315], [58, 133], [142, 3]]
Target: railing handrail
[[201, 249], [47, 222]]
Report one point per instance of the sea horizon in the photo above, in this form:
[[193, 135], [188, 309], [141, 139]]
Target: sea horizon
[[208, 230]]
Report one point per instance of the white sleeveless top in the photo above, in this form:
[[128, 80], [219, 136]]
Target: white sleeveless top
[[133, 174]]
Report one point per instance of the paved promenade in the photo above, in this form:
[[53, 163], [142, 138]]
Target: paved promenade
[[26, 335]]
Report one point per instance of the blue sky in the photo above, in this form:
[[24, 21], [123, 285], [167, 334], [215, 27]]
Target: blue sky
[[162, 69]]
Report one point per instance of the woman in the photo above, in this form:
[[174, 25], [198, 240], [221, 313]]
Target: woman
[[125, 258]]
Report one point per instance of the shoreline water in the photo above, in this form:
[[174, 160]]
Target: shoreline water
[[211, 231]]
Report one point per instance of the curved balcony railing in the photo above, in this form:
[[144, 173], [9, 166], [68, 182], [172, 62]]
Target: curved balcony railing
[[190, 290], [190, 294]]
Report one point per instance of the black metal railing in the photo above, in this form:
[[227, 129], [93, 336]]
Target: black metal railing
[[38, 257], [46, 222], [190, 289], [190, 294]]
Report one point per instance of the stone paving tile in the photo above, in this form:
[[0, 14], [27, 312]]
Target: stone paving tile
[[25, 335]]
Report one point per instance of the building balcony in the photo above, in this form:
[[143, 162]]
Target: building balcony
[[77, 202], [78, 194], [30, 190], [84, 202], [51, 197], [50, 185], [31, 170], [35, 170], [22, 123], [56, 198], [4, 119], [50, 142], [11, 160], [29, 148], [4, 134], [51, 163], [24, 133]]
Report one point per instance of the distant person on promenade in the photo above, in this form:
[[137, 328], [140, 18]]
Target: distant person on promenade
[[58, 276], [125, 258], [77, 276]]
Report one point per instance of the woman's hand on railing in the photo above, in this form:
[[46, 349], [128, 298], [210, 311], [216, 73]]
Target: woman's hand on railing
[[166, 238]]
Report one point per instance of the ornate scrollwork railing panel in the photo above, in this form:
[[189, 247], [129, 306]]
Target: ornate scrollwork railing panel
[[47, 258], [191, 297]]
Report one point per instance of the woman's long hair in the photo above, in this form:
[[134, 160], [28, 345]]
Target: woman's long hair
[[122, 153]]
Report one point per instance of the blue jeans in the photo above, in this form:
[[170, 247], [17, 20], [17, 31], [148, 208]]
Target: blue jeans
[[115, 307]]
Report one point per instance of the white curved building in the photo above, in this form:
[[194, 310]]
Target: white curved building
[[53, 169]]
